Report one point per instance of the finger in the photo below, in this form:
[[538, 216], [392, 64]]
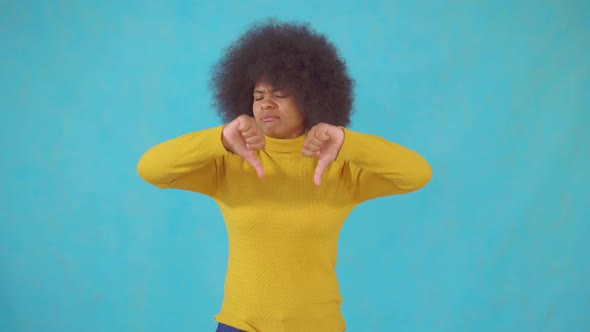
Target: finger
[[254, 139], [255, 142], [250, 132], [256, 145], [243, 124], [321, 134], [310, 152], [310, 147], [319, 170], [312, 144], [247, 127], [252, 160]]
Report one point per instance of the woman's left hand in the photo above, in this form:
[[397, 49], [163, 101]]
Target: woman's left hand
[[324, 142]]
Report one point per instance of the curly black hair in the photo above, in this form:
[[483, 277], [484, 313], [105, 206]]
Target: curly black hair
[[287, 56]]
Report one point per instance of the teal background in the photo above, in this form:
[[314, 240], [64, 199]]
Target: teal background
[[495, 94]]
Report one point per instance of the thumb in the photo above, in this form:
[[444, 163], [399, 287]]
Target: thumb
[[252, 160], [319, 170]]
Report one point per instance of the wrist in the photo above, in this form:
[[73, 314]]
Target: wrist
[[224, 141]]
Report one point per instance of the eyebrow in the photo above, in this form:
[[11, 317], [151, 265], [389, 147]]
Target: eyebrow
[[269, 90]]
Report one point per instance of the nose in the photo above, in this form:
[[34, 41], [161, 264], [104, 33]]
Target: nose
[[267, 104]]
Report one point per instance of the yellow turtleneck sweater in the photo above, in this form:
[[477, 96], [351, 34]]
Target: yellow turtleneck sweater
[[283, 229]]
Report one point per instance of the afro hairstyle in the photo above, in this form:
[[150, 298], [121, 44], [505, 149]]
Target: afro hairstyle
[[288, 56]]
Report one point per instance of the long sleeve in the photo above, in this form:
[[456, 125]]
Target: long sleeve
[[380, 168], [188, 162]]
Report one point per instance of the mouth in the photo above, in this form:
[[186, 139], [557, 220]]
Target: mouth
[[269, 118]]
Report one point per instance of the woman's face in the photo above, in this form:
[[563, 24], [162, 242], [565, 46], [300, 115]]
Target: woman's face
[[277, 112]]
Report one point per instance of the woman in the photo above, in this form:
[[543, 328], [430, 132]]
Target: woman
[[285, 172]]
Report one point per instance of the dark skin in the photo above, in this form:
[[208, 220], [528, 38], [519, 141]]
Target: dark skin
[[277, 115], [286, 55]]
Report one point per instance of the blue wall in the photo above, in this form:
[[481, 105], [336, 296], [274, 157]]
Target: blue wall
[[496, 95]]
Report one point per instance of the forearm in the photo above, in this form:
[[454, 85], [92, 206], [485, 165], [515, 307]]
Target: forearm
[[385, 167], [166, 162]]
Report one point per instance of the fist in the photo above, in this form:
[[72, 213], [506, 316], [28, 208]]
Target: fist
[[242, 137], [324, 142]]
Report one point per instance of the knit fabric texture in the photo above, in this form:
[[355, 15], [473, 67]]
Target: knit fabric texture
[[283, 229]]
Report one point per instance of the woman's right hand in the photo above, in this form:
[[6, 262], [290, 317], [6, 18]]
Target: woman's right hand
[[242, 137]]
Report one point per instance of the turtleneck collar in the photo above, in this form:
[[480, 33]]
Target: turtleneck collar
[[284, 145]]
